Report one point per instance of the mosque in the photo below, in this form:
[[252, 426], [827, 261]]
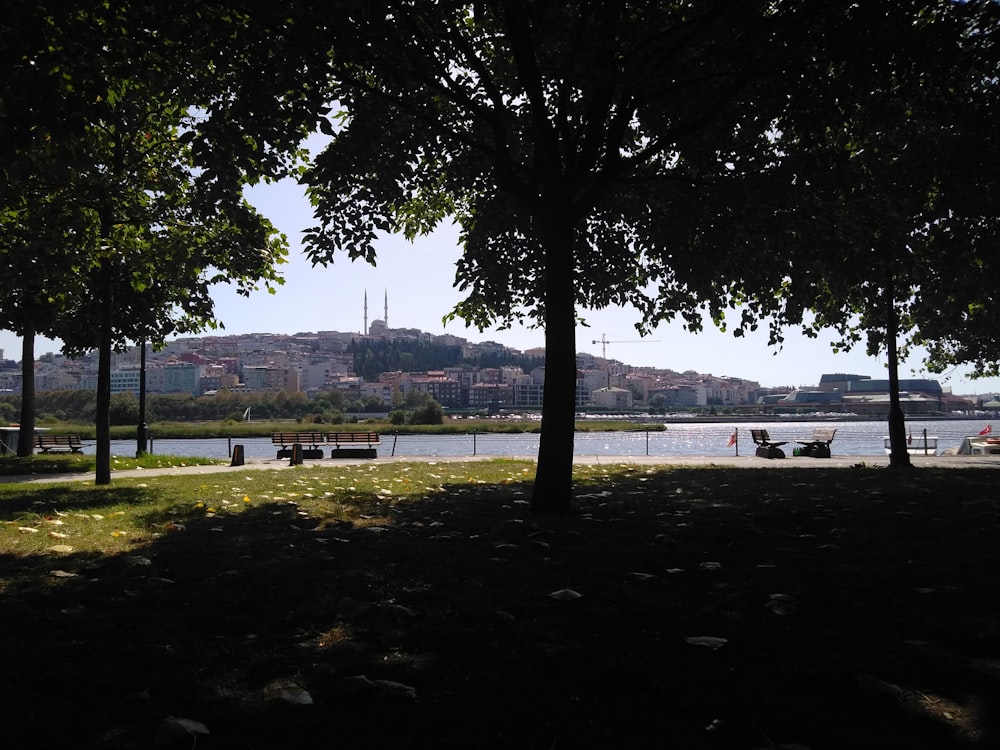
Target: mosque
[[378, 328]]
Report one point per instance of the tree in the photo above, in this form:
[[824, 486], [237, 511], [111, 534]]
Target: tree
[[561, 137], [901, 195], [167, 224], [40, 248], [957, 312], [429, 412]]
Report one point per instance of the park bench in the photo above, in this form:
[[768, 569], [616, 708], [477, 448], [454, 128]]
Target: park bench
[[818, 446], [46, 443], [310, 442], [767, 448], [361, 444]]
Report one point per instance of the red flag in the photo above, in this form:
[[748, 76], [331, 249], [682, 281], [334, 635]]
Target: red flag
[[732, 440], [986, 430]]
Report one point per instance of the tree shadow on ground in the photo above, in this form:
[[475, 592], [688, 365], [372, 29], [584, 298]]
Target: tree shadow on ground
[[717, 609]]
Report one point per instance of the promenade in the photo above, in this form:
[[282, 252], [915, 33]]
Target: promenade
[[737, 462]]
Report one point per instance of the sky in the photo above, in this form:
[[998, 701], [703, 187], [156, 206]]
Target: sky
[[418, 280]]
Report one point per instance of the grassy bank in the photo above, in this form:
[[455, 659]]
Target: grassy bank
[[75, 463], [424, 605]]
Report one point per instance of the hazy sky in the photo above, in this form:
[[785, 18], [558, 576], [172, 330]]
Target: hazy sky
[[418, 279]]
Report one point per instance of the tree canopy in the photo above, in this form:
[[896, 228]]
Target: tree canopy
[[573, 143], [676, 157], [116, 102], [793, 159]]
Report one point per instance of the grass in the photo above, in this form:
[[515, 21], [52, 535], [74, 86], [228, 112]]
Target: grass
[[77, 463], [411, 605]]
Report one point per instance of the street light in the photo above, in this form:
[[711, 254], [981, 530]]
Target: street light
[[142, 432]]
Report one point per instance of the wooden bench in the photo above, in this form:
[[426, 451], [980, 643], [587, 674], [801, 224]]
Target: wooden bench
[[362, 444], [818, 446], [46, 443], [308, 440], [767, 448]]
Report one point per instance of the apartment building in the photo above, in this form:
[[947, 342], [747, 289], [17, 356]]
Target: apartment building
[[268, 378]]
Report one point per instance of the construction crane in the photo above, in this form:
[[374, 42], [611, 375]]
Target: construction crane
[[604, 341]]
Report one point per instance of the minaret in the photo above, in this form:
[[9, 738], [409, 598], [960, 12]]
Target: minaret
[[365, 331], [386, 318]]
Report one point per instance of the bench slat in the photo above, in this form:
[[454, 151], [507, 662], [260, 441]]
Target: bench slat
[[286, 439]]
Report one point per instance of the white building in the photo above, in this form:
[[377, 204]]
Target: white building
[[612, 398]]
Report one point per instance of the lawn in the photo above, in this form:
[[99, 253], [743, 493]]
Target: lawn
[[423, 605], [79, 463]]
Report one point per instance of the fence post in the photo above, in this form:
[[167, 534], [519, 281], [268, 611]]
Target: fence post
[[473, 442]]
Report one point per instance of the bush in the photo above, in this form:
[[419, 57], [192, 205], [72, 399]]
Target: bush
[[124, 409], [429, 413]]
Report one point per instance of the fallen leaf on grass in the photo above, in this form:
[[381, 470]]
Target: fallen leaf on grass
[[291, 694], [61, 574], [61, 548], [783, 604], [174, 730], [27, 530], [565, 595], [642, 576], [708, 641]]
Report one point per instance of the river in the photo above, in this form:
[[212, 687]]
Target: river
[[679, 439]]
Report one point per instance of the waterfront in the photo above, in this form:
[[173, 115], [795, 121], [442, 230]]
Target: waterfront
[[678, 439]]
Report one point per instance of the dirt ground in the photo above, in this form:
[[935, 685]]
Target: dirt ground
[[691, 608]]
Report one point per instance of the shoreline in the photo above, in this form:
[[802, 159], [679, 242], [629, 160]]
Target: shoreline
[[728, 462]]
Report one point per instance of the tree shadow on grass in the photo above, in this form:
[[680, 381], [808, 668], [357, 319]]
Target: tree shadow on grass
[[44, 499], [716, 609]]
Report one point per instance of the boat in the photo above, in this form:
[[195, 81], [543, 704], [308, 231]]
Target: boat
[[977, 445], [10, 436], [922, 445]]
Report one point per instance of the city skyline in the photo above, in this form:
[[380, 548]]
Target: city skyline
[[418, 278]]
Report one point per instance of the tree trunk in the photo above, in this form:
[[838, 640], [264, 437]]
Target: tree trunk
[[102, 426], [553, 488], [899, 456], [26, 433]]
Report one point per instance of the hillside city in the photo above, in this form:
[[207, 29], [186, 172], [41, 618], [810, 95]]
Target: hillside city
[[484, 376]]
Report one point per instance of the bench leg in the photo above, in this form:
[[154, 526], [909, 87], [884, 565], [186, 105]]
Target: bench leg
[[769, 451]]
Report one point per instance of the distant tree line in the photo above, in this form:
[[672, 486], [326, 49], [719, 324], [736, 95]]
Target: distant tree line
[[81, 406], [372, 358]]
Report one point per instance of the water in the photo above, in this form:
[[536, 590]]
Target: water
[[681, 439]]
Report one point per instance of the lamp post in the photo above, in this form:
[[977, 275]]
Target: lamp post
[[142, 432]]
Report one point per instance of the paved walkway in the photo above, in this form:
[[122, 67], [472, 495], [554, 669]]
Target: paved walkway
[[739, 462]]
